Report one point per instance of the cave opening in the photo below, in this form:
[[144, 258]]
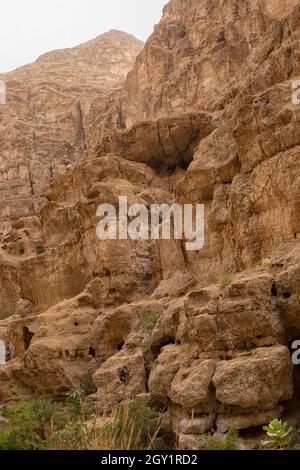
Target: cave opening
[[27, 337], [274, 290], [156, 349], [92, 352], [172, 164], [120, 345]]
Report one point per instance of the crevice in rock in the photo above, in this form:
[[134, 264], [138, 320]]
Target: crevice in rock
[[27, 337], [274, 290], [92, 352], [124, 375]]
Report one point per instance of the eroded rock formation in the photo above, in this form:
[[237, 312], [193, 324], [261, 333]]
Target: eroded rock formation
[[205, 116], [51, 108]]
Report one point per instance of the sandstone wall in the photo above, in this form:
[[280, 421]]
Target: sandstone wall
[[205, 116]]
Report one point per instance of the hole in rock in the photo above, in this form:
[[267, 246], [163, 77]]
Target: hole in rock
[[120, 345], [221, 37], [287, 295], [184, 164], [172, 163], [156, 349], [274, 291], [92, 352], [27, 337], [76, 323], [171, 169], [124, 376]]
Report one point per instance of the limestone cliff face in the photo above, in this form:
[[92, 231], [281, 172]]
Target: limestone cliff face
[[205, 116], [205, 53], [52, 105]]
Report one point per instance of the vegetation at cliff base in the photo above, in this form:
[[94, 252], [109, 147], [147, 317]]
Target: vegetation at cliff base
[[38, 424], [229, 442]]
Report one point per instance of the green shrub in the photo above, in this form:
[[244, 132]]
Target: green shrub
[[31, 423], [40, 250], [226, 280], [23, 430], [230, 442], [41, 424], [259, 263], [149, 321], [4, 315], [75, 436], [79, 403], [279, 434]]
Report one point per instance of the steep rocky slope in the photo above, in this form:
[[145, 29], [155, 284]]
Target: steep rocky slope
[[205, 116], [51, 107]]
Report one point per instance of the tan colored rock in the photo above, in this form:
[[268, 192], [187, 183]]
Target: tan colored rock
[[191, 442], [51, 108], [224, 423], [197, 426], [24, 308], [163, 373], [260, 379], [191, 387]]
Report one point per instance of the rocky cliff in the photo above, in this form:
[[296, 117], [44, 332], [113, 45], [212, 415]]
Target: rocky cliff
[[51, 107], [205, 116]]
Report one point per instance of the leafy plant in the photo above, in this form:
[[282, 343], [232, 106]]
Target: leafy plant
[[75, 398], [226, 280], [79, 403], [230, 441], [149, 321], [40, 250], [279, 433]]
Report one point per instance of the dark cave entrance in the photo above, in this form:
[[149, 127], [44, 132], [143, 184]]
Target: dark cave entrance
[[171, 165]]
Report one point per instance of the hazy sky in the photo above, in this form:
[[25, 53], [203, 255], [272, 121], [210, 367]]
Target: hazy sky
[[31, 27]]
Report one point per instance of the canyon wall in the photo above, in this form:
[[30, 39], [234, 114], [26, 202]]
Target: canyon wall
[[205, 116], [51, 108]]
